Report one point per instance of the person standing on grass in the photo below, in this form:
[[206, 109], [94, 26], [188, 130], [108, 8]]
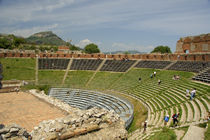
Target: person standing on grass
[[159, 81], [175, 119], [139, 79], [145, 126], [193, 92], [166, 119], [187, 92], [151, 75], [154, 73]]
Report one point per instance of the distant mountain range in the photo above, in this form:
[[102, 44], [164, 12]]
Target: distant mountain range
[[47, 38], [125, 52]]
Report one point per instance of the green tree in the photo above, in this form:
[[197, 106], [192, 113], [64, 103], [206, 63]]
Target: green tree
[[91, 48], [161, 49], [5, 43], [74, 48], [18, 40]]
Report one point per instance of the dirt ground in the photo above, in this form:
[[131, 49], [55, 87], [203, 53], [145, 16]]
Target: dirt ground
[[26, 110]]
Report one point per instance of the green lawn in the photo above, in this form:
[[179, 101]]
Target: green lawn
[[78, 79], [165, 134], [18, 68], [49, 77], [103, 80]]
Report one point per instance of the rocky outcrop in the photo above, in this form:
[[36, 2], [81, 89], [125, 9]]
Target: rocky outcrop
[[95, 122], [13, 131]]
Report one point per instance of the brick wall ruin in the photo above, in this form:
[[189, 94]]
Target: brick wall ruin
[[194, 44], [159, 57]]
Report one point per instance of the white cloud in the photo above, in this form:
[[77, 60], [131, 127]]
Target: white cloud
[[29, 31], [58, 4], [125, 47], [83, 43]]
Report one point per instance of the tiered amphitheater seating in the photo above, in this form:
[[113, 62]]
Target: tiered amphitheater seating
[[168, 98], [203, 76], [153, 64], [84, 99], [85, 64], [53, 63], [117, 65], [191, 66]]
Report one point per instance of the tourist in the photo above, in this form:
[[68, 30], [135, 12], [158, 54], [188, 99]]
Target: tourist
[[177, 77], [145, 126], [17, 90], [193, 92], [174, 77], [159, 81], [175, 119], [151, 75], [154, 73], [187, 92], [166, 119]]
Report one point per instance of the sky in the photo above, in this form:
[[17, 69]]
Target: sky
[[111, 24]]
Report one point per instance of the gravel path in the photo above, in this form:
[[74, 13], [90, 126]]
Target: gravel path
[[194, 133], [179, 134]]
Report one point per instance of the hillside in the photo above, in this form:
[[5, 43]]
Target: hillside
[[47, 38]]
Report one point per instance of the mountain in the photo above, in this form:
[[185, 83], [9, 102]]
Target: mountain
[[125, 52], [47, 38]]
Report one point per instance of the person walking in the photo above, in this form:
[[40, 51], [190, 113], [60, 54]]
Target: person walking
[[166, 119], [154, 73], [139, 79], [159, 81], [145, 126], [151, 75], [175, 119], [187, 92], [193, 92]]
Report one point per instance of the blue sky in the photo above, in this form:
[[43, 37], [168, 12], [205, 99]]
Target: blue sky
[[111, 24]]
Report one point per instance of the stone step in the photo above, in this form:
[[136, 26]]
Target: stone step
[[183, 117], [204, 112], [190, 112]]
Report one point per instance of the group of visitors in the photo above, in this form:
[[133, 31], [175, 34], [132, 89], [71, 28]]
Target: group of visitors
[[174, 117], [153, 74], [166, 120], [191, 93], [176, 77]]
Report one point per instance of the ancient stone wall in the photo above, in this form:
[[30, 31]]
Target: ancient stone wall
[[194, 44], [195, 56]]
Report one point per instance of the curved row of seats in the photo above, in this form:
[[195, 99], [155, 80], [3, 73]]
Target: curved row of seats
[[170, 97], [203, 76], [120, 65], [85, 99]]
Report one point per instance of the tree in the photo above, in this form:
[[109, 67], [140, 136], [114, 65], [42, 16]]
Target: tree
[[161, 49], [5, 43], [18, 40], [91, 48], [74, 48]]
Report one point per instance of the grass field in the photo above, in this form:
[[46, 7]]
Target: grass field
[[18, 68], [103, 80], [78, 79], [52, 78]]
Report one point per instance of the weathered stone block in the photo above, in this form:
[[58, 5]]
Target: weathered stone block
[[80, 131], [67, 135]]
